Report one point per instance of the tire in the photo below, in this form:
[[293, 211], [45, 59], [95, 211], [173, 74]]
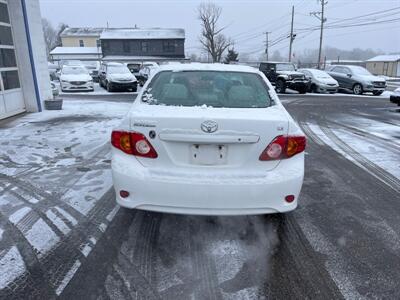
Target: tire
[[302, 90], [280, 86], [313, 89], [377, 93], [357, 89], [109, 88]]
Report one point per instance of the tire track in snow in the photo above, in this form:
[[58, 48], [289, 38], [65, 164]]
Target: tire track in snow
[[137, 257], [371, 167]]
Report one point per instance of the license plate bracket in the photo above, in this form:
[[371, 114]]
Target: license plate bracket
[[202, 154]]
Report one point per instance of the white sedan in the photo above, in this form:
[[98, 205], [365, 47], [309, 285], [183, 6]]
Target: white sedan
[[75, 78], [208, 139]]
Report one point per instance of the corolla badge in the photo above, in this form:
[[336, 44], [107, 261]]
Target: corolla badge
[[209, 126]]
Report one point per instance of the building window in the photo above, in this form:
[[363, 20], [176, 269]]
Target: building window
[[145, 46], [81, 43], [104, 45], [5, 35], [98, 43], [7, 58], [169, 46], [4, 18], [126, 46], [10, 80]]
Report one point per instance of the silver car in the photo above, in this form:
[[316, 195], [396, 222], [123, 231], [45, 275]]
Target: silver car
[[320, 81], [357, 79]]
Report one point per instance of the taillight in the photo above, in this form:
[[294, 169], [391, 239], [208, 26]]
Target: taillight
[[284, 147], [133, 143]]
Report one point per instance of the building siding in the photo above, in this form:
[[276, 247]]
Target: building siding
[[173, 48], [69, 41], [383, 68], [38, 52]]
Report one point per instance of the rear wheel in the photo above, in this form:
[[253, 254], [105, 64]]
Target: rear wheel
[[109, 88], [357, 89], [280, 86], [377, 93]]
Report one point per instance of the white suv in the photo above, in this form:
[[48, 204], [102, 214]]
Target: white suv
[[208, 139]]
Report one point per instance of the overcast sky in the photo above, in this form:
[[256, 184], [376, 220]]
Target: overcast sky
[[246, 21]]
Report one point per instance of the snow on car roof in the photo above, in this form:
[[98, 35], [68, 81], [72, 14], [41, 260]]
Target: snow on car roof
[[138, 33], [207, 67]]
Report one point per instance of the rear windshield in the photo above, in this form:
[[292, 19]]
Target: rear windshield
[[210, 88]]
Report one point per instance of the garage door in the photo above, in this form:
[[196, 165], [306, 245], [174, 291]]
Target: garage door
[[11, 97]]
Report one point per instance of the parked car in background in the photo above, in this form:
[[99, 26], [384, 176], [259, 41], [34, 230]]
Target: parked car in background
[[283, 76], [395, 97], [357, 79], [145, 72], [93, 68], [116, 76], [75, 78], [134, 68], [208, 129], [320, 81]]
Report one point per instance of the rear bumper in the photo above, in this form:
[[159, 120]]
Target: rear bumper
[[210, 193], [123, 85]]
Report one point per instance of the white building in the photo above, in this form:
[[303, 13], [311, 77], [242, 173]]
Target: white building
[[24, 76]]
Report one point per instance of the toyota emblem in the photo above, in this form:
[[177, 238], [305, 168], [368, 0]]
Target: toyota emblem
[[209, 126]]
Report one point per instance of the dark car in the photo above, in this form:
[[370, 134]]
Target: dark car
[[284, 75], [395, 97], [116, 76], [357, 79]]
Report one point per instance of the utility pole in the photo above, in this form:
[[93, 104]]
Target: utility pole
[[321, 16], [267, 44], [291, 36]]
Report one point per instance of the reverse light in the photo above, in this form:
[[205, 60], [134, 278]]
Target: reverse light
[[133, 143], [283, 147]]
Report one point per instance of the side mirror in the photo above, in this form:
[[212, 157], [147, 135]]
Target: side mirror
[[349, 75]]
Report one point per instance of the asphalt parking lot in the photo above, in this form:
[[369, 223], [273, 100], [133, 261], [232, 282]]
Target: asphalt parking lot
[[342, 242]]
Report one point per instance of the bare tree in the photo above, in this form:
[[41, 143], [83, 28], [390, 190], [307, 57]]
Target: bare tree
[[212, 39], [60, 29], [50, 35]]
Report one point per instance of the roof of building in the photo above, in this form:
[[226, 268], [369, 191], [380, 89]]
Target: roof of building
[[81, 31], [139, 33], [393, 57], [75, 50]]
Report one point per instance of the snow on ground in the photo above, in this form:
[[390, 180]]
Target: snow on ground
[[352, 144], [11, 266], [379, 129], [384, 158], [54, 168]]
